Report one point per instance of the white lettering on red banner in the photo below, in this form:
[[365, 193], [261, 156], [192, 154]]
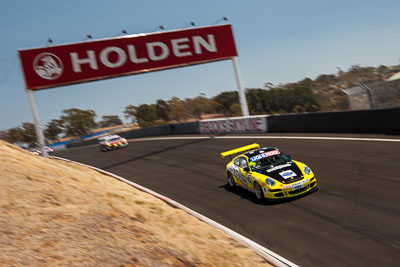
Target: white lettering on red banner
[[234, 125], [73, 63]]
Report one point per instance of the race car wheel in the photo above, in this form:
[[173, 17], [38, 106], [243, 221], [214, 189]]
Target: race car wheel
[[231, 181], [258, 191]]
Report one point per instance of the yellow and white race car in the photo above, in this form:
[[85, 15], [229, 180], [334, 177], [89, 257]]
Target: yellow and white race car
[[109, 142], [268, 172]]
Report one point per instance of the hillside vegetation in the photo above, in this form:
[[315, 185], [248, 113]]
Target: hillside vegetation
[[54, 213], [324, 93]]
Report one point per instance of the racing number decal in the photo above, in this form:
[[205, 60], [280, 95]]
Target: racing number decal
[[235, 170]]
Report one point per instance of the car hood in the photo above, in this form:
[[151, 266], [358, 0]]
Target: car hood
[[285, 173], [112, 142]]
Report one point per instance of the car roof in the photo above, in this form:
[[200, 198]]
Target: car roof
[[259, 151], [109, 137]]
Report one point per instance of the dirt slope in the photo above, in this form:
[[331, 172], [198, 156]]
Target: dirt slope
[[54, 213]]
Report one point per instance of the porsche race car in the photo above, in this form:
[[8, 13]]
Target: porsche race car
[[268, 173], [110, 142]]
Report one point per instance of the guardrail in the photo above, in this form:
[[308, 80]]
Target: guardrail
[[249, 124], [381, 121]]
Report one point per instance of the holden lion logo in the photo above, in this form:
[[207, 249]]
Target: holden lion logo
[[48, 66]]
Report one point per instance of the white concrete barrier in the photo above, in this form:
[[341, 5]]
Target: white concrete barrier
[[250, 124]]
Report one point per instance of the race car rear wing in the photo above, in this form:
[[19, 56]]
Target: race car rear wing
[[240, 149]]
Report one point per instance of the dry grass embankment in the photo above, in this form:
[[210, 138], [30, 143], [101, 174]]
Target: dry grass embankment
[[54, 213]]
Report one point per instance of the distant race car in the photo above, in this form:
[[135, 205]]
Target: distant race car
[[268, 173], [110, 142], [37, 151]]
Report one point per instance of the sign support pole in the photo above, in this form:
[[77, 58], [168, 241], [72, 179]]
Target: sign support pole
[[242, 94], [38, 128]]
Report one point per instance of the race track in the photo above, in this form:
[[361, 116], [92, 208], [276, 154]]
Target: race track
[[352, 220]]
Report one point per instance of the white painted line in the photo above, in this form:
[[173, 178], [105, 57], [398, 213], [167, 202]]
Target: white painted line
[[169, 138], [313, 138], [267, 254], [269, 137]]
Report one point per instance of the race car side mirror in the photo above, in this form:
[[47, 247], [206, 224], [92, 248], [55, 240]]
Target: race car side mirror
[[247, 169]]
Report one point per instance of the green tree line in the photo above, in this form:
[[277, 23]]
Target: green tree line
[[308, 95], [72, 122]]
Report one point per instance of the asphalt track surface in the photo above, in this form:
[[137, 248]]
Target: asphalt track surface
[[352, 220]]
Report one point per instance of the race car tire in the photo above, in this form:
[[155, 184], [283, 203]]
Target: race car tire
[[258, 191], [231, 181]]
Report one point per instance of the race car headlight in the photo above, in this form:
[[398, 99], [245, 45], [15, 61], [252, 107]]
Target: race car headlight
[[270, 181], [307, 170]]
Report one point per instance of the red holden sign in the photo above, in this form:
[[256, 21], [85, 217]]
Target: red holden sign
[[93, 60]]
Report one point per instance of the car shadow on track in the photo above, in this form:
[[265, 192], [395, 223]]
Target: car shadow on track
[[153, 153], [245, 194]]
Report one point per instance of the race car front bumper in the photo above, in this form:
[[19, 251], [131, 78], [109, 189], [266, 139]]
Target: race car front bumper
[[289, 192]]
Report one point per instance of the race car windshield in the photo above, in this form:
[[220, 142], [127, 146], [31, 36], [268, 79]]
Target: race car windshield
[[111, 139], [269, 162]]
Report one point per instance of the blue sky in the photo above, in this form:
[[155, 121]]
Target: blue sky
[[278, 41]]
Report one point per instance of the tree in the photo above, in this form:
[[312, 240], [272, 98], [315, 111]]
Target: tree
[[130, 113], [235, 110], [29, 133], [297, 97], [383, 72], [5, 136], [16, 134], [162, 110], [146, 115], [269, 85], [111, 120], [258, 101], [357, 74], [305, 98], [307, 82], [200, 105], [325, 79], [225, 100], [24, 134], [177, 109], [53, 129], [78, 122]]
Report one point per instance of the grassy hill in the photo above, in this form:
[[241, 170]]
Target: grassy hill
[[54, 213]]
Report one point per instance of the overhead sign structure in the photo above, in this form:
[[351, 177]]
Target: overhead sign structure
[[54, 66], [101, 59]]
